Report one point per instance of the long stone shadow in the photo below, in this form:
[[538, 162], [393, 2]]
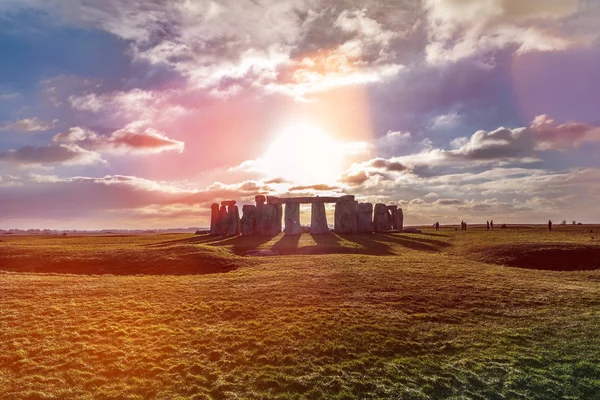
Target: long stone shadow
[[416, 243], [327, 243], [239, 244], [288, 244]]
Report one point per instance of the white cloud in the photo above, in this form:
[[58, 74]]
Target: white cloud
[[28, 125]]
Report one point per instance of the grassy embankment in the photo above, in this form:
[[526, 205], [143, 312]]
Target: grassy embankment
[[367, 316]]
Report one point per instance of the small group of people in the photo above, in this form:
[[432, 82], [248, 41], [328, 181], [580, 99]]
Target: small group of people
[[490, 225], [463, 226]]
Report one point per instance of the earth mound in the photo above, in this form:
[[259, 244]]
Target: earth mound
[[179, 260], [542, 256]]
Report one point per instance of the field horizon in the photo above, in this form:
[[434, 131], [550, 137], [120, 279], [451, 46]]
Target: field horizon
[[441, 314]]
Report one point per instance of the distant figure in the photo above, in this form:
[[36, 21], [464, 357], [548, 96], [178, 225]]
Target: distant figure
[[437, 226], [465, 225], [462, 225], [488, 225], [492, 225], [550, 225]]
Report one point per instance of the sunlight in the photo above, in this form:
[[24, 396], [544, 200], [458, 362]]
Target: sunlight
[[305, 153]]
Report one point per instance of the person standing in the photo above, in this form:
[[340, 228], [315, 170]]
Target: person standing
[[550, 225], [488, 225], [492, 225]]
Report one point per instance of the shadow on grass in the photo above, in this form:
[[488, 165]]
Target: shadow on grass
[[327, 243], [542, 256]]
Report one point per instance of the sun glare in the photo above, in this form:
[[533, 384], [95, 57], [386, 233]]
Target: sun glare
[[306, 154]]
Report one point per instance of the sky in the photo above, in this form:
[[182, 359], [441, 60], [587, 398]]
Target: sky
[[140, 114]]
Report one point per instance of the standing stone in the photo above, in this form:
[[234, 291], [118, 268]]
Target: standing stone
[[248, 223], [268, 223], [399, 220], [260, 199], [222, 226], [279, 217], [346, 217], [380, 218], [392, 223], [292, 219], [214, 219], [234, 220], [365, 218], [318, 219]]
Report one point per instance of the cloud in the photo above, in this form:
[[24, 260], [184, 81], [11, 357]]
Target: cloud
[[447, 202], [9, 96], [551, 136], [318, 188], [67, 154], [132, 139], [387, 165], [462, 28], [28, 125], [354, 178]]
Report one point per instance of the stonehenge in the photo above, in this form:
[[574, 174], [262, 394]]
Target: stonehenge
[[265, 217], [318, 219]]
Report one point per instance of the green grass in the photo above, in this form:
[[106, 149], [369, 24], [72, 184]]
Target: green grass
[[369, 316]]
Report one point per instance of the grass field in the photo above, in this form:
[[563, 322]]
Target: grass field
[[509, 314]]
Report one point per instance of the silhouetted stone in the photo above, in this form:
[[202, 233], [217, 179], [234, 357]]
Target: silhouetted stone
[[392, 210], [229, 203], [273, 200], [318, 219], [292, 219], [399, 220], [214, 219], [380, 218], [233, 227], [249, 223], [412, 230], [268, 223], [346, 217], [365, 218], [279, 216], [223, 223], [260, 199]]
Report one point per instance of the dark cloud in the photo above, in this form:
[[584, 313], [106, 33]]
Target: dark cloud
[[319, 187], [52, 154], [387, 165], [123, 140], [354, 178], [447, 202]]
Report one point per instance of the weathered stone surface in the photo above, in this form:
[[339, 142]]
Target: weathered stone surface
[[279, 209], [346, 217], [249, 222], [222, 225], [399, 220], [380, 218], [260, 199], [308, 200], [229, 203], [391, 217], [233, 227], [268, 224], [214, 219], [292, 219], [273, 200], [365, 218], [318, 219]]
